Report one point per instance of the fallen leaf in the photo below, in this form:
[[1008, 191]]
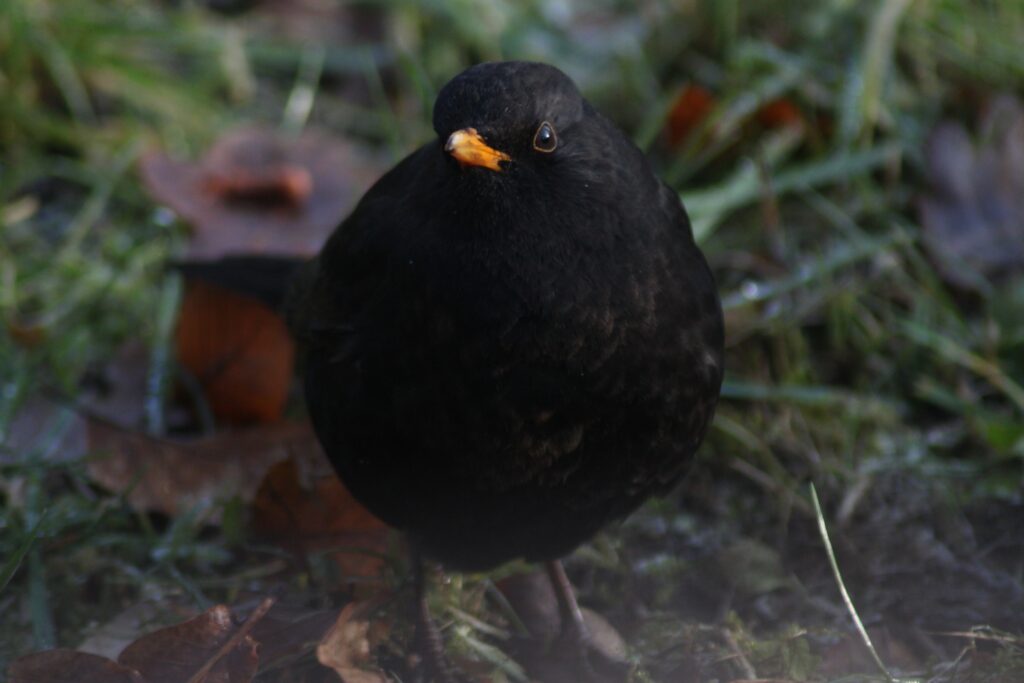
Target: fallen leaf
[[158, 474], [779, 113], [972, 217], [210, 648], [346, 647], [256, 193], [238, 350], [316, 512], [260, 192], [288, 631], [111, 638], [170, 476], [695, 104], [69, 666], [689, 112]]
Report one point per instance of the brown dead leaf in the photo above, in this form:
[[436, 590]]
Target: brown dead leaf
[[695, 105], [260, 192], [689, 112], [289, 631], [307, 512], [973, 215], [169, 476], [210, 648], [346, 648], [111, 638], [69, 666], [779, 113], [165, 475], [239, 351]]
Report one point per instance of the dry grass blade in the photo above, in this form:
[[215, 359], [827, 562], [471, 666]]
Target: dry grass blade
[[823, 529]]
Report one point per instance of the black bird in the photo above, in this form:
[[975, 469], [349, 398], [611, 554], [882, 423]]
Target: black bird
[[513, 340]]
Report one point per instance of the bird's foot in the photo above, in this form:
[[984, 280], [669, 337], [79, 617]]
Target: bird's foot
[[431, 665]]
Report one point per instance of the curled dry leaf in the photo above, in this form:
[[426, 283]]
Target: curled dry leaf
[[306, 511], [973, 214], [346, 648], [260, 192]]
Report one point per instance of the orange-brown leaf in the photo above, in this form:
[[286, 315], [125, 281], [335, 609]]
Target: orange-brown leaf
[[238, 349], [779, 113], [689, 112]]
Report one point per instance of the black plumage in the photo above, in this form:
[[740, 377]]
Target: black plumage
[[513, 339]]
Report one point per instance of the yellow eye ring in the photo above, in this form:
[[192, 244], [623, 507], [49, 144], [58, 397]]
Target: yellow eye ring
[[545, 140]]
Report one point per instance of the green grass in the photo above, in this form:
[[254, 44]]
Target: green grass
[[850, 363]]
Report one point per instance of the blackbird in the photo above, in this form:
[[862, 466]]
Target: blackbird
[[513, 339]]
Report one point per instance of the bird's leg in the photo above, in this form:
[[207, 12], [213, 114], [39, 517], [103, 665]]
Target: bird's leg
[[575, 634], [428, 642], [573, 627]]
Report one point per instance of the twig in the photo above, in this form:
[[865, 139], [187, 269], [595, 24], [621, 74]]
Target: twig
[[842, 588], [236, 638]]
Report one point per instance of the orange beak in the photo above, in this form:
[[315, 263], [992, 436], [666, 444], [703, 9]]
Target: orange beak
[[469, 149]]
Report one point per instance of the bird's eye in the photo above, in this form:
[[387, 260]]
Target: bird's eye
[[544, 140]]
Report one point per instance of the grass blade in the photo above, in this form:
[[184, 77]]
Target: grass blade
[[10, 567], [709, 207]]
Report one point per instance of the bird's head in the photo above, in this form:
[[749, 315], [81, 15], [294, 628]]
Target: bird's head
[[499, 116]]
